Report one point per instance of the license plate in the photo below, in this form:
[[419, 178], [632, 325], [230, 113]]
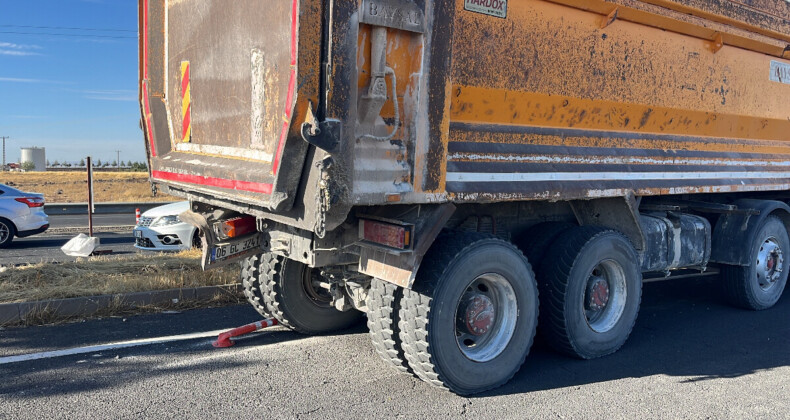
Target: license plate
[[138, 234], [231, 250]]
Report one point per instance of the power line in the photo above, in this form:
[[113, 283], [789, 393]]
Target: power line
[[69, 28], [69, 35]]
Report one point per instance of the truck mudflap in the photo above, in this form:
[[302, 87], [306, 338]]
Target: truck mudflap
[[222, 100]]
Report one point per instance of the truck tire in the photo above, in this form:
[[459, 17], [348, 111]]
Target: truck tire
[[250, 282], [536, 240], [7, 232], [760, 285], [590, 292], [469, 322], [291, 298], [383, 302]]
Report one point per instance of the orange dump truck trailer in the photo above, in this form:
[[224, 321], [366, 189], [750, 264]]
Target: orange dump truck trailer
[[465, 170]]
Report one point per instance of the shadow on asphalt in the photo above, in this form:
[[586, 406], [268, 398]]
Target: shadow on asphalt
[[684, 329], [111, 368]]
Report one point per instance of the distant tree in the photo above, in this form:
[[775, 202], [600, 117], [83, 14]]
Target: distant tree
[[28, 166], [82, 162], [128, 163], [105, 164], [55, 163], [98, 163], [48, 163], [115, 163], [67, 164], [139, 167]]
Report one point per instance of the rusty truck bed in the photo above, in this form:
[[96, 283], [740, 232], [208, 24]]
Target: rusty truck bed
[[516, 100], [561, 103]]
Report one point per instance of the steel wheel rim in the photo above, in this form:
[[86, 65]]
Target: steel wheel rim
[[4, 232], [770, 263], [602, 315], [311, 283], [485, 317]]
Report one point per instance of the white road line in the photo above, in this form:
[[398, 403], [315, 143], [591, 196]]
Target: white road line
[[608, 176], [109, 346]]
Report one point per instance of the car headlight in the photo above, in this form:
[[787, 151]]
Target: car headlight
[[166, 221]]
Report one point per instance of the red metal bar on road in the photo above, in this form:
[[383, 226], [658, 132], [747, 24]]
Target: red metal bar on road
[[224, 339]]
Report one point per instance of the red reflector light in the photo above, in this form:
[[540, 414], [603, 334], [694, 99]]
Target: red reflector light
[[387, 234], [238, 226], [31, 201]]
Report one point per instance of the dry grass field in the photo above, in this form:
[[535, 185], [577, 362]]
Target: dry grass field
[[72, 187], [106, 275]]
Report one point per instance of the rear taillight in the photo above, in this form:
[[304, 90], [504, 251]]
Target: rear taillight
[[387, 234], [31, 201], [238, 226]]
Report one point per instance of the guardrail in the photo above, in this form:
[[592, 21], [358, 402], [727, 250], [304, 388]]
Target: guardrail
[[58, 209]]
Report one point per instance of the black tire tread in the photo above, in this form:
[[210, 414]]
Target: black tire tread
[[553, 287], [416, 306], [735, 281], [11, 231], [535, 242], [271, 280], [271, 265], [250, 270], [383, 303]]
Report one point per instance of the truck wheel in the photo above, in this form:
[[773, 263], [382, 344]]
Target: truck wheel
[[760, 285], [536, 240], [591, 290], [292, 296], [250, 272], [7, 232], [383, 304], [469, 322]]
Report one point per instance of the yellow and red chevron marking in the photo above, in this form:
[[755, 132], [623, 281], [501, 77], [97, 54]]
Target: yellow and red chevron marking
[[186, 106]]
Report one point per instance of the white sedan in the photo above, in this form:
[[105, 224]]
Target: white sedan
[[21, 214], [160, 229]]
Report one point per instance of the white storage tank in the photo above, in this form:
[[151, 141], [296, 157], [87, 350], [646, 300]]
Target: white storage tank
[[37, 155]]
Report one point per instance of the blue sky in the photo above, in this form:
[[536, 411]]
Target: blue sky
[[73, 91]]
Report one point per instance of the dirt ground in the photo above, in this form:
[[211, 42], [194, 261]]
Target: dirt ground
[[72, 187]]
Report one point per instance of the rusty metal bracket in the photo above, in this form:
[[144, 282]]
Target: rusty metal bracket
[[717, 43], [609, 19], [619, 213], [325, 136], [398, 14]]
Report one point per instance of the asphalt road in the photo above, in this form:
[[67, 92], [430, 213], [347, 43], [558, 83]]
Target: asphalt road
[[690, 356], [46, 248]]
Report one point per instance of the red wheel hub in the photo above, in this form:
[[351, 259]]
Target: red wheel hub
[[598, 293], [479, 315]]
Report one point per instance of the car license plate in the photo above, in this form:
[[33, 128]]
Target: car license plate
[[138, 234], [230, 250]]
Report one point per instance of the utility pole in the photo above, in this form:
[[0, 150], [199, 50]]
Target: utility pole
[[118, 160], [4, 138]]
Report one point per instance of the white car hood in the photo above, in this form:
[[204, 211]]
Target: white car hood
[[173, 209]]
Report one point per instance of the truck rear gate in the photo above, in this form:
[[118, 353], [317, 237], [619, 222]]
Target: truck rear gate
[[446, 165], [219, 92]]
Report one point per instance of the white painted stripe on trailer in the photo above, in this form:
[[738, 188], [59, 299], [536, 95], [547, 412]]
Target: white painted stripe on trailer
[[109, 346], [606, 176], [614, 160]]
